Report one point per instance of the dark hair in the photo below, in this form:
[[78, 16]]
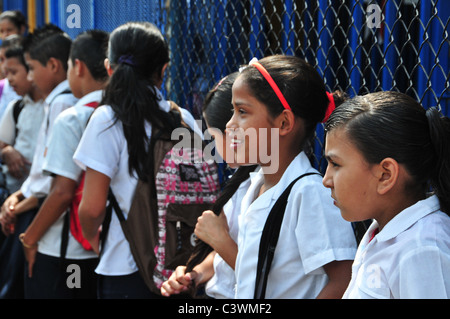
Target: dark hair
[[11, 40], [300, 84], [90, 47], [48, 42], [16, 17], [16, 51], [137, 53], [217, 107], [392, 124]]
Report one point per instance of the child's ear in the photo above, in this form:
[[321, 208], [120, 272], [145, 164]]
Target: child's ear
[[79, 67], [108, 67], [54, 64], [163, 70], [388, 174], [286, 122]]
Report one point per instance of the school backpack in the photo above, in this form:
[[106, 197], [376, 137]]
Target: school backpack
[[270, 235], [161, 221], [71, 219]]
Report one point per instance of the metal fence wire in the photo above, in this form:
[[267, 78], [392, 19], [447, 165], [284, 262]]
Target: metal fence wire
[[357, 46]]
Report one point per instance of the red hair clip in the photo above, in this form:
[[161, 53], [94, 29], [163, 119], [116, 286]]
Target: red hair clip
[[331, 107]]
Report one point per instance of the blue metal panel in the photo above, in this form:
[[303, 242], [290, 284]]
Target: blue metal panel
[[256, 37], [288, 36], [21, 5], [390, 52], [354, 60]]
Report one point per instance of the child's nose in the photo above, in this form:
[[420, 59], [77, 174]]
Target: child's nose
[[327, 180]]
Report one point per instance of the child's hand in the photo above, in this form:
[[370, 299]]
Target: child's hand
[[211, 228], [178, 282], [7, 213], [15, 161]]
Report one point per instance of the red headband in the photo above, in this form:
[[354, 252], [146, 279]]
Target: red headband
[[331, 107], [272, 83]]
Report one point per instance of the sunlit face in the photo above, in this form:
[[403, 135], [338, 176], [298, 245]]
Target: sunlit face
[[350, 177], [249, 130], [7, 28], [17, 76]]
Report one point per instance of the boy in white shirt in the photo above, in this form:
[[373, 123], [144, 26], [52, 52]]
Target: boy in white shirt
[[46, 53], [21, 122], [87, 78]]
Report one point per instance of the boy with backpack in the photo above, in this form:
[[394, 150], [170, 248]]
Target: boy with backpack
[[46, 53], [19, 128], [20, 124], [49, 261]]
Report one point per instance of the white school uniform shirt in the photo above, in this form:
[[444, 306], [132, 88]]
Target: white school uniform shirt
[[222, 284], [37, 183], [66, 134], [7, 96], [103, 148], [312, 234], [408, 258], [28, 125]]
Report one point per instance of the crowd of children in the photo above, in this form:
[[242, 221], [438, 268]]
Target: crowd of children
[[79, 126]]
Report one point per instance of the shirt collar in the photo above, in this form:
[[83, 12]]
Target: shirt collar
[[61, 87], [408, 217], [95, 96], [163, 104], [300, 165]]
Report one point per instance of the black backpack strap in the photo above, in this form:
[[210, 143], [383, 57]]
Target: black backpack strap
[[269, 239], [107, 221], [64, 237], [17, 108]]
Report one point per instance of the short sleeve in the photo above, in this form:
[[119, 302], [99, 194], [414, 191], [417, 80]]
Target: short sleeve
[[7, 125], [322, 234], [101, 143], [63, 142]]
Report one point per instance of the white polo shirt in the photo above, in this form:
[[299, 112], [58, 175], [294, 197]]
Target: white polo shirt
[[222, 284], [408, 258], [312, 234], [66, 134], [27, 129], [37, 183]]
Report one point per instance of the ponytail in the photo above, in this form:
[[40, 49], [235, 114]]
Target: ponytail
[[137, 53], [439, 128]]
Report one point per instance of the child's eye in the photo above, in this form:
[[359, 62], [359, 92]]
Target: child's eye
[[334, 164]]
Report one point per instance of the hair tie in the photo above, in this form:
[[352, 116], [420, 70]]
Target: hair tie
[[218, 84], [331, 107], [254, 62], [127, 59]]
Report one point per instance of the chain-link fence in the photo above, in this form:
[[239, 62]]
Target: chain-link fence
[[358, 46]]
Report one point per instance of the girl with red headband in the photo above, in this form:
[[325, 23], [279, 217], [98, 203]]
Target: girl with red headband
[[313, 256]]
